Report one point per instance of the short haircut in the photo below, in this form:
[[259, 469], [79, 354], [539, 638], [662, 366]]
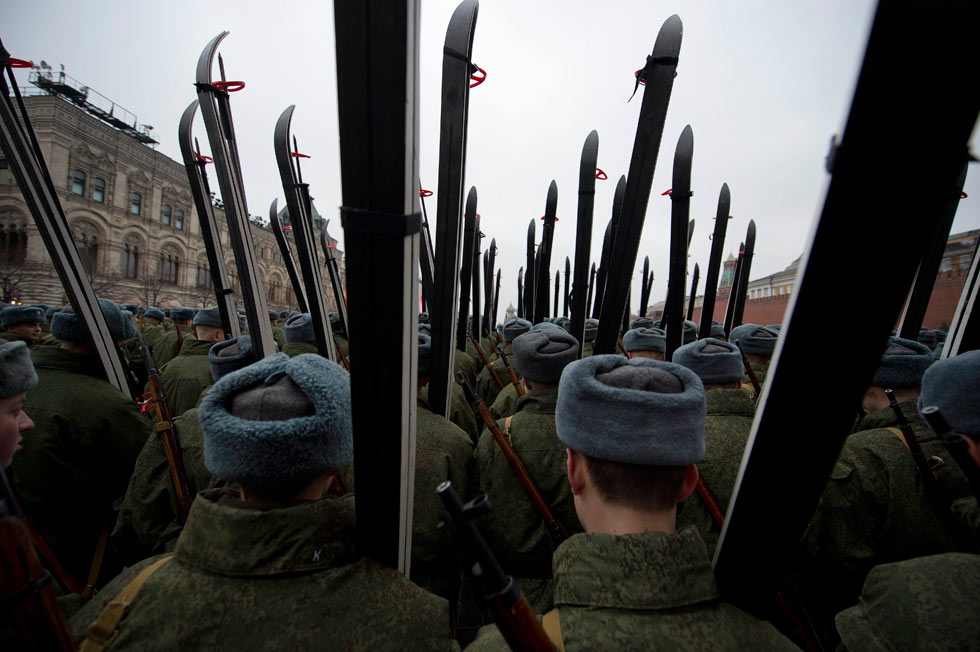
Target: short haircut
[[207, 329], [649, 488]]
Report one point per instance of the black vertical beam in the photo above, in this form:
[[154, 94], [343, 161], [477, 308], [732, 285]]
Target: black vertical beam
[[377, 98], [714, 260], [925, 278], [896, 137]]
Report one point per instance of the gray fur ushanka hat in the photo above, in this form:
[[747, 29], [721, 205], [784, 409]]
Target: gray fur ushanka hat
[[17, 373], [541, 356], [425, 354], [615, 409], [230, 355], [65, 325], [902, 364], [645, 339], [951, 385], [16, 315], [715, 362], [754, 339], [291, 422], [514, 327], [299, 328], [208, 317], [154, 313]]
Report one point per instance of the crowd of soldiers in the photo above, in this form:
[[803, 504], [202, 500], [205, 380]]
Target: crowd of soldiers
[[635, 457]]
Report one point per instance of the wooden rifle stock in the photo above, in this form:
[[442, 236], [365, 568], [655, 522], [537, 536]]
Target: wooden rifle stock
[[749, 371], [555, 527], [156, 400], [710, 502], [343, 358], [486, 361], [511, 612], [510, 372], [921, 463]]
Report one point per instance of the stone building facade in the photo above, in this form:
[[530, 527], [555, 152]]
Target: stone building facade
[[132, 216]]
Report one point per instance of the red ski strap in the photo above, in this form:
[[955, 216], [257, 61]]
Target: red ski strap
[[963, 195], [478, 76], [600, 175], [19, 63], [229, 86], [424, 193], [298, 155], [204, 159], [666, 192], [544, 216]]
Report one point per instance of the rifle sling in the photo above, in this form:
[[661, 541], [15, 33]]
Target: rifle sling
[[96, 565], [100, 634], [551, 622]]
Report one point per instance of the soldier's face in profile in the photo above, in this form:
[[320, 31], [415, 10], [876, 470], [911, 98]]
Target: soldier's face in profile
[[32, 331], [13, 421]]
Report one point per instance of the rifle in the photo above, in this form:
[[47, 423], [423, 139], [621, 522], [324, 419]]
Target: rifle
[[510, 371], [156, 400], [511, 612], [486, 361], [343, 358], [956, 444], [921, 463], [555, 527], [749, 371], [34, 612]]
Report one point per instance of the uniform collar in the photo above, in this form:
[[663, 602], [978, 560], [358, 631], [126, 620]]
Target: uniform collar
[[192, 346], [544, 399], [57, 358], [653, 570], [228, 537]]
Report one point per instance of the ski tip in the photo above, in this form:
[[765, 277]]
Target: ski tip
[[669, 38], [273, 212], [207, 57], [471, 199], [750, 232]]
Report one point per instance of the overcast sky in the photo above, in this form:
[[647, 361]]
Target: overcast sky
[[764, 86]]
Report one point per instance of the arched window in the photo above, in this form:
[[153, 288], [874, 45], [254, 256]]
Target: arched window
[[13, 243], [275, 289], [78, 183], [168, 267], [179, 219], [87, 244], [136, 203], [203, 276], [166, 214], [130, 260], [98, 190]]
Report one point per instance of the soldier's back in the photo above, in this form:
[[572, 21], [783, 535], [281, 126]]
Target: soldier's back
[[247, 577], [186, 376]]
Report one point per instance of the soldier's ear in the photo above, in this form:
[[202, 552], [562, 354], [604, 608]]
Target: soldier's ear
[[575, 464], [691, 476]]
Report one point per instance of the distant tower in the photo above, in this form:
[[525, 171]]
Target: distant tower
[[511, 312], [728, 271]]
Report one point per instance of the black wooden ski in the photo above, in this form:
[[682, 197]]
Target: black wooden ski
[[588, 301], [287, 254], [301, 218], [496, 304], [378, 100], [557, 292], [744, 273], [195, 165], [26, 162], [659, 75], [216, 111], [645, 287], [680, 232], [520, 293], [714, 261], [476, 279], [733, 291], [868, 215], [605, 257], [544, 253], [427, 259], [471, 233], [694, 292], [568, 287], [333, 270], [529, 282], [456, 69]]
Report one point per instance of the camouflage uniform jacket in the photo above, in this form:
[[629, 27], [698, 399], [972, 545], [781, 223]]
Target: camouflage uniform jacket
[[874, 508], [918, 604], [186, 376], [168, 347], [147, 524], [463, 362], [506, 403], [246, 577], [726, 429], [279, 335], [460, 412], [298, 348], [650, 591], [486, 386], [761, 371], [341, 343], [78, 459], [442, 452], [516, 531]]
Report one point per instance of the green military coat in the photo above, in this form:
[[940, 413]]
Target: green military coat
[[442, 452], [298, 348], [186, 376], [486, 386], [874, 508], [515, 530], [247, 576], [650, 591], [726, 429], [17, 337], [464, 362], [279, 335], [460, 412], [147, 524], [506, 402], [168, 347], [78, 458], [341, 343]]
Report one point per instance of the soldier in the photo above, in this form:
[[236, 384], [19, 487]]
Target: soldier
[[641, 322], [515, 529], [645, 343], [78, 460], [730, 411], [588, 338], [757, 343], [718, 331], [278, 334], [17, 377], [633, 432], [47, 339], [148, 522], [272, 565], [152, 328], [875, 508], [22, 324], [186, 376], [513, 328], [169, 345], [299, 335], [690, 331], [443, 451]]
